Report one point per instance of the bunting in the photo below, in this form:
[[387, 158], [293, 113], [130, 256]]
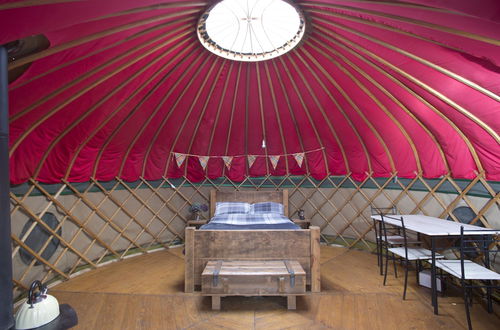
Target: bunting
[[299, 158], [274, 160], [203, 161], [251, 160], [227, 161], [179, 159]]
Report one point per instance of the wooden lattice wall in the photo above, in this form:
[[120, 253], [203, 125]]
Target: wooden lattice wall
[[104, 222]]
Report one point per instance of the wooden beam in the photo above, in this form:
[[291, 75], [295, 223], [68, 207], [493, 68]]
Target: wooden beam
[[189, 259], [104, 217], [88, 231], [136, 196], [315, 260], [38, 256], [49, 229], [133, 217]]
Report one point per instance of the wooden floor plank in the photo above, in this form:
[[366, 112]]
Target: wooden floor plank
[[146, 292], [163, 271]]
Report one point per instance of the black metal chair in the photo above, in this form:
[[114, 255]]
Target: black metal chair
[[474, 244], [393, 238], [378, 229], [405, 252]]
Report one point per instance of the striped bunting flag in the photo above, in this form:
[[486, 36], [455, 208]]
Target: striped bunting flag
[[227, 161], [274, 160], [179, 158], [299, 158], [203, 161], [251, 160]]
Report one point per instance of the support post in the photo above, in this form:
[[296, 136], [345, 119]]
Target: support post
[[315, 259], [6, 307], [189, 260]]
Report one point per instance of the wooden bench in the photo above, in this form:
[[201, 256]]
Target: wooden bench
[[253, 278]]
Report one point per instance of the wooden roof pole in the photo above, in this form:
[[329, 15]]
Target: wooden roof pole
[[231, 120], [358, 49], [191, 108], [163, 100], [292, 116], [217, 116], [335, 101], [201, 115], [308, 115], [428, 88]]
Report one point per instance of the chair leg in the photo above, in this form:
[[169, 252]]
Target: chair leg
[[466, 303], [380, 265], [443, 283], [417, 271], [395, 268], [380, 257], [386, 263], [377, 242], [407, 264], [488, 295]]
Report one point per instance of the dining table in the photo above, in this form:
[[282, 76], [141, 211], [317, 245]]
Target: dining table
[[435, 229]]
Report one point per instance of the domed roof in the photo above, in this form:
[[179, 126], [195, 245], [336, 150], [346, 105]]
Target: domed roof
[[376, 87]]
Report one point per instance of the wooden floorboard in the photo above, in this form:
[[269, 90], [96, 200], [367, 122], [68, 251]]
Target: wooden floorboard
[[146, 292]]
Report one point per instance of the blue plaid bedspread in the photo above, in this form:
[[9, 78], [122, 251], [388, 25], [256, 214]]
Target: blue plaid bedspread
[[250, 219], [223, 226]]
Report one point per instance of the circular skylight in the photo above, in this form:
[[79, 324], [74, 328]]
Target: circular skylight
[[251, 30]]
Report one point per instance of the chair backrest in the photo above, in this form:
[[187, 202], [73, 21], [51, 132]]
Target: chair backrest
[[477, 241], [399, 222], [383, 210]]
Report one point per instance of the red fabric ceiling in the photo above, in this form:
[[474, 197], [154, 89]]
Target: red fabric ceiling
[[383, 87]]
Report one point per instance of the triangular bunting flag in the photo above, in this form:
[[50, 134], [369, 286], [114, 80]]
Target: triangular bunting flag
[[227, 161], [179, 158], [203, 161], [274, 160], [251, 160], [299, 158]]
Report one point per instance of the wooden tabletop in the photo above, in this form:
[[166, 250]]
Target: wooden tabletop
[[433, 226]]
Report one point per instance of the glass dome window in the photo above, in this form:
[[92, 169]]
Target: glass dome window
[[251, 30]]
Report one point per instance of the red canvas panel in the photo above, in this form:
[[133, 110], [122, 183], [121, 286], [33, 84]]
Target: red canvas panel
[[383, 87]]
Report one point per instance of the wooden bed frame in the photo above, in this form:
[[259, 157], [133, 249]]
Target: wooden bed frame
[[202, 246]]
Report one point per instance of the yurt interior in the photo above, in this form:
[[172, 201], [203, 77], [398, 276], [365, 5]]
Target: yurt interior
[[249, 164]]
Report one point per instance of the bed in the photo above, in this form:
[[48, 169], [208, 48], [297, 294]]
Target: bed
[[203, 245]]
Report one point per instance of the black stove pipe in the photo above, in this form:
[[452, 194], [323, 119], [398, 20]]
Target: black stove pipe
[[6, 306]]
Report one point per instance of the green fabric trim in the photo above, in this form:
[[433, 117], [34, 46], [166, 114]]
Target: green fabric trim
[[288, 182]]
